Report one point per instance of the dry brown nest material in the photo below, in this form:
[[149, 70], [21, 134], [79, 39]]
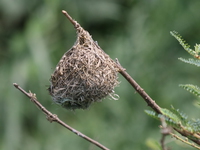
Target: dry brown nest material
[[85, 73]]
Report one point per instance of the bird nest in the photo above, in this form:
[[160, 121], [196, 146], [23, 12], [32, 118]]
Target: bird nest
[[85, 73]]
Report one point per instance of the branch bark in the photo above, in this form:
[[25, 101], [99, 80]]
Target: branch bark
[[137, 87], [54, 118], [151, 102]]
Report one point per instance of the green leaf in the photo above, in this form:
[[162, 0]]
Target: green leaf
[[195, 125], [153, 144], [191, 61], [169, 114], [170, 121], [151, 113], [197, 48], [183, 43], [180, 115], [191, 88]]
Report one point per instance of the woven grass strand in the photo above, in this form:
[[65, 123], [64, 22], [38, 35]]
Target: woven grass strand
[[85, 73]]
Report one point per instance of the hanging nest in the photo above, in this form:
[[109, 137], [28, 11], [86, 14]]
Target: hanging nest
[[85, 73]]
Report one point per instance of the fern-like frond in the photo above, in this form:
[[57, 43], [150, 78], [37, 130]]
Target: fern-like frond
[[187, 125], [171, 115], [195, 125], [183, 43], [151, 113], [176, 119], [191, 88], [169, 121], [197, 48], [191, 61], [183, 117]]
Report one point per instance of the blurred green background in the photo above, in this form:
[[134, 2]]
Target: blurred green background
[[35, 34]]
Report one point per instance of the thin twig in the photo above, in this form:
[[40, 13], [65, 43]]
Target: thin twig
[[137, 87], [53, 118], [189, 135], [184, 141], [162, 142], [165, 130], [76, 24], [151, 102]]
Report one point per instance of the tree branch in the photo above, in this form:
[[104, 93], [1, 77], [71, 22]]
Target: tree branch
[[137, 87], [53, 118], [165, 131], [151, 102], [184, 141]]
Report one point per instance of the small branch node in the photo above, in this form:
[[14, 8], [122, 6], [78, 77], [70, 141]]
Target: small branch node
[[32, 96], [78, 133], [119, 65], [52, 118]]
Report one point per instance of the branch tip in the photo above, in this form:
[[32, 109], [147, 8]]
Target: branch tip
[[76, 25], [63, 11], [16, 85]]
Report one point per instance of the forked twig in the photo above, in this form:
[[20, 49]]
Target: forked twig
[[53, 118]]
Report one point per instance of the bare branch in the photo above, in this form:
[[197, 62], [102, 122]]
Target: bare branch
[[76, 24], [53, 118], [151, 102], [137, 87], [184, 140]]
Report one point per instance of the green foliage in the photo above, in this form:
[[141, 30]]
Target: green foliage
[[191, 61], [173, 117], [153, 144], [191, 88], [35, 34], [186, 46], [182, 42], [195, 124], [177, 120]]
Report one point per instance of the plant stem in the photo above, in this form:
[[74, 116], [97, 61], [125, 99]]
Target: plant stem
[[137, 87], [53, 118], [76, 24], [152, 103], [184, 141]]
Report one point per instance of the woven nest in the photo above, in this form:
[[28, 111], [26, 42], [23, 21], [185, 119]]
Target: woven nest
[[85, 74]]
